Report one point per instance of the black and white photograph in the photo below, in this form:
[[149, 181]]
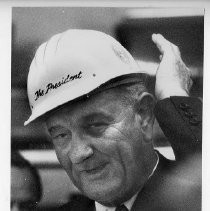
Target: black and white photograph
[[106, 108]]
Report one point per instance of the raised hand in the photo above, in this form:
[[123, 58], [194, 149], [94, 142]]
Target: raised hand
[[172, 76]]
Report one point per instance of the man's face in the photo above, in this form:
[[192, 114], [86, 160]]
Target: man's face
[[22, 190], [99, 143]]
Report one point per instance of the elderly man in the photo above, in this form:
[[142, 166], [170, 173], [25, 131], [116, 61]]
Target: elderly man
[[100, 117]]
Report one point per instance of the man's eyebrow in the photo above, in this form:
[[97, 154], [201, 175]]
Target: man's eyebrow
[[53, 128], [97, 116]]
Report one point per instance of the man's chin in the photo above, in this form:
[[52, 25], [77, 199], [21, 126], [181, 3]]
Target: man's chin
[[104, 186], [104, 194]]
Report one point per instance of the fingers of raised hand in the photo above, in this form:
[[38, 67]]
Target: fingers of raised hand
[[176, 50], [165, 46], [162, 44]]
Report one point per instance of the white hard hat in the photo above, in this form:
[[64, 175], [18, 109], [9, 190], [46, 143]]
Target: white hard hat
[[72, 64]]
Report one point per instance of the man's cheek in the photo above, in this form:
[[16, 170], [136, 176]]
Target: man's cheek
[[119, 137], [108, 144], [64, 160], [115, 131], [60, 156]]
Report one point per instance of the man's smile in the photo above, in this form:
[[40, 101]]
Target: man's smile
[[96, 171]]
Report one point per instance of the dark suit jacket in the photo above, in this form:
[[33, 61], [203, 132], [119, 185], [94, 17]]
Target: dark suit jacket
[[175, 185]]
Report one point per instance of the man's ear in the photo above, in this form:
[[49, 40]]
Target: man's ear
[[144, 109]]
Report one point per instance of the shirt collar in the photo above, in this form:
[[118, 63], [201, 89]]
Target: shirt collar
[[129, 203], [155, 167]]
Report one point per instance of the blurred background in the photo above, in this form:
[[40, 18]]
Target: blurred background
[[133, 27]]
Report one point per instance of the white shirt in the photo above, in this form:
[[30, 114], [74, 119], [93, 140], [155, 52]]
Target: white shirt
[[129, 203]]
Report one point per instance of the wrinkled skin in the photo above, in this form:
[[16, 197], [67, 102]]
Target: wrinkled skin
[[104, 146]]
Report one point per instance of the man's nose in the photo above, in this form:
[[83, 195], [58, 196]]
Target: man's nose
[[80, 150]]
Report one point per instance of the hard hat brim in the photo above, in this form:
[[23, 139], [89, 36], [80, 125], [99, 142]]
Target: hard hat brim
[[62, 97]]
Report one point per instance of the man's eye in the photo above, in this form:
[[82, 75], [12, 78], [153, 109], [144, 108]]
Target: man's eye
[[96, 129], [61, 139], [98, 124], [62, 135]]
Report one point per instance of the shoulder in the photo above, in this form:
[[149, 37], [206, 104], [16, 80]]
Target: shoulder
[[174, 186], [185, 174]]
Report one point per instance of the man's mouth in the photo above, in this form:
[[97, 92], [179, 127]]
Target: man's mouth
[[96, 169], [93, 170]]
